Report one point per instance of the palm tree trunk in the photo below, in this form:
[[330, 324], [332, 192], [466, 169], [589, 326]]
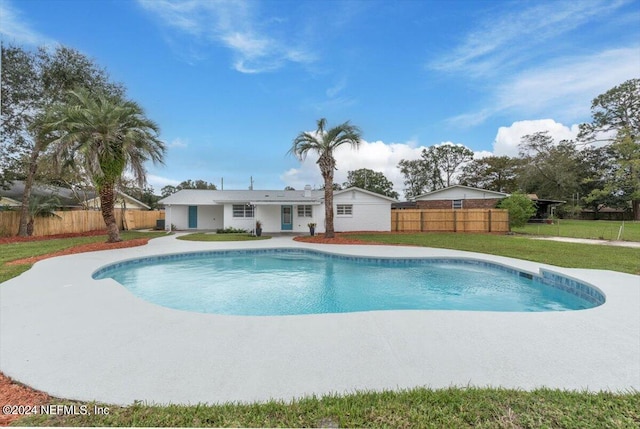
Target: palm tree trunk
[[107, 201], [326, 168], [26, 196], [328, 209]]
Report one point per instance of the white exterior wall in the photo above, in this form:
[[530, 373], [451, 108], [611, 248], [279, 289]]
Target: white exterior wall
[[369, 213], [248, 223], [177, 216], [270, 216], [209, 217], [300, 224]]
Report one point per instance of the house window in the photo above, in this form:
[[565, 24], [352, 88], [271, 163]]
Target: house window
[[457, 204], [242, 210], [305, 211], [345, 209]]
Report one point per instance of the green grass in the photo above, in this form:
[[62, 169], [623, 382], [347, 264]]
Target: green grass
[[570, 255], [13, 251], [202, 236], [595, 229], [415, 408]]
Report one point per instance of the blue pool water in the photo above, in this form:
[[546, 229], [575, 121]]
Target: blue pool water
[[287, 282]]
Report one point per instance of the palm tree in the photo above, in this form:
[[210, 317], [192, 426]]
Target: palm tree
[[324, 142], [41, 206], [105, 135]]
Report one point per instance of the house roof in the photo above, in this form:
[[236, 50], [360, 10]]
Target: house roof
[[126, 197], [364, 191], [485, 191], [65, 195], [203, 197], [468, 188]]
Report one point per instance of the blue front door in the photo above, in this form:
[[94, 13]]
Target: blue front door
[[287, 218], [193, 216]]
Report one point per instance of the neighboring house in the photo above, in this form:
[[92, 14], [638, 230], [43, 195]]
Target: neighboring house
[[544, 208], [8, 203], [123, 201], [466, 197], [355, 209], [68, 199], [459, 197]]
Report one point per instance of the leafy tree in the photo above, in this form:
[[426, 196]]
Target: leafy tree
[[335, 187], [416, 181], [619, 182], [548, 169], [33, 82], [616, 120], [187, 184], [370, 180], [614, 112], [197, 184], [324, 142], [106, 135], [436, 169], [289, 188], [494, 173], [520, 208], [168, 190], [444, 161]]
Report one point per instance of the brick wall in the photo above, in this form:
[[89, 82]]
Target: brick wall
[[466, 204]]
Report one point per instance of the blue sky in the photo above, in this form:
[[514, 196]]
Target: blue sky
[[231, 83]]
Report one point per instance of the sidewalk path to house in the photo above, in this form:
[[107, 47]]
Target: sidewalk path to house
[[619, 243]]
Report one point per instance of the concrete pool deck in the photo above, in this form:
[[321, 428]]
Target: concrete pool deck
[[78, 338]]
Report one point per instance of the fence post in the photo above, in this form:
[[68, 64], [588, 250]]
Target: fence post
[[421, 221], [455, 221]]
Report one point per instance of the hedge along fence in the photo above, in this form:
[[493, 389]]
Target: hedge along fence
[[76, 221], [459, 220]]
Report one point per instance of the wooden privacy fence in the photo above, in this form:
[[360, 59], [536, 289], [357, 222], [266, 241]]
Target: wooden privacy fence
[[78, 221], [459, 220]]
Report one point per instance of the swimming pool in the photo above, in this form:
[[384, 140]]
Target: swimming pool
[[270, 282]]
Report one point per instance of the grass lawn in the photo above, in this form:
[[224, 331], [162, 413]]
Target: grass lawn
[[570, 255], [202, 236], [13, 251], [596, 229], [453, 407], [415, 408]]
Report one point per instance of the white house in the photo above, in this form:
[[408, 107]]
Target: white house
[[354, 209]]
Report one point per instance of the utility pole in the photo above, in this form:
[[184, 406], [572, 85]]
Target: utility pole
[[222, 183], [251, 183]]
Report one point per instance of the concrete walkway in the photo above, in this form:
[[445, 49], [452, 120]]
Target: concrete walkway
[[618, 243], [78, 338]]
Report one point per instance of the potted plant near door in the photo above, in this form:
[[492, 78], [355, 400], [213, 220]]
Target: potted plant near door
[[312, 228], [258, 228]]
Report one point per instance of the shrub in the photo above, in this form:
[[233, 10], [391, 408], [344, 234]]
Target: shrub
[[231, 230], [520, 208]]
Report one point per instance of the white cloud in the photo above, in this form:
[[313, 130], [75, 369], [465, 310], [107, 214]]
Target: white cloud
[[508, 138], [504, 40], [377, 156], [158, 182], [562, 89], [14, 29], [234, 25], [178, 143]]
